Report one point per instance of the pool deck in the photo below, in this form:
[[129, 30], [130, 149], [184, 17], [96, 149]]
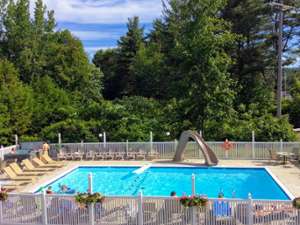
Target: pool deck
[[288, 175]]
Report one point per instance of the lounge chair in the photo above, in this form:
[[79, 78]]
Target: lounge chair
[[61, 156], [77, 155], [140, 155], [10, 173], [99, 155], [221, 208], [69, 156], [108, 156], [29, 167], [46, 159], [130, 155], [16, 168], [119, 156], [39, 163], [15, 183], [89, 155], [9, 188], [152, 155]]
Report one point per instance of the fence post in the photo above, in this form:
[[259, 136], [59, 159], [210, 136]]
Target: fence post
[[59, 140], [140, 209], [44, 208], [16, 140], [281, 145], [253, 144], [194, 218], [1, 213], [104, 139], [175, 145], [127, 147], [151, 141], [250, 210], [91, 206]]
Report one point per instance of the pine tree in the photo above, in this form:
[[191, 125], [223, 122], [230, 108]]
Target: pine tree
[[128, 46]]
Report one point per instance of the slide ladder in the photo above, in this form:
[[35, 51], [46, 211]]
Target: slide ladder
[[209, 156]]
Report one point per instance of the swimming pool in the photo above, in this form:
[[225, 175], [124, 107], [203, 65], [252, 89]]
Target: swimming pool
[[160, 181]]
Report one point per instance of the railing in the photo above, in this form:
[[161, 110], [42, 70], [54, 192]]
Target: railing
[[36, 209], [166, 150], [6, 150]]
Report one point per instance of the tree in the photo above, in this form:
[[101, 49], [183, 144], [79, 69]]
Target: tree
[[128, 46], [254, 53], [68, 65], [15, 103], [106, 61], [202, 81]]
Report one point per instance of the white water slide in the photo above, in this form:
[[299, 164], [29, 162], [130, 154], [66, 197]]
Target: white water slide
[[209, 156]]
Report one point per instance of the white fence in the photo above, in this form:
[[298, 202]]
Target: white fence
[[36, 209], [166, 150]]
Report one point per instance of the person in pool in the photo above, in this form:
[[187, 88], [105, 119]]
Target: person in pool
[[173, 194], [64, 188], [49, 190]]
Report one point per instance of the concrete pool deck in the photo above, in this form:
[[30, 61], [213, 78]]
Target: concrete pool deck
[[288, 175]]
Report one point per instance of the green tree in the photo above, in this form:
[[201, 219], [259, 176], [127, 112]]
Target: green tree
[[15, 101], [106, 61], [202, 80], [128, 46]]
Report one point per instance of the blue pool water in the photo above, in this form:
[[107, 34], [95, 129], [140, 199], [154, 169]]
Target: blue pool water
[[160, 181]]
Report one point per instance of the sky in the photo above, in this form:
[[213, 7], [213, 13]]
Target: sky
[[100, 23]]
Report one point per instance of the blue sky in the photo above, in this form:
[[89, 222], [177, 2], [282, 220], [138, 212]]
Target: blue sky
[[100, 23]]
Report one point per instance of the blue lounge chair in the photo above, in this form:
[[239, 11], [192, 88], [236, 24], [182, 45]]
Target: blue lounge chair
[[221, 208]]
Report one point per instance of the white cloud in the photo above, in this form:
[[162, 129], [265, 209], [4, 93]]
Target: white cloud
[[103, 11], [94, 35], [96, 48]]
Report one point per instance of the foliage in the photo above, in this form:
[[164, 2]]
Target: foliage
[[296, 203], [15, 103], [88, 198], [193, 201], [3, 195]]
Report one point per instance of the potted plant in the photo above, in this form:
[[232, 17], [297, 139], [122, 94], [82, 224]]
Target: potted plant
[[3, 195], [296, 203], [85, 199], [192, 201]]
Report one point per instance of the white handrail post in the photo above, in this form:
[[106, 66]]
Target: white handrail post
[[140, 209], [44, 208], [193, 185], [253, 144], [250, 210], [91, 206]]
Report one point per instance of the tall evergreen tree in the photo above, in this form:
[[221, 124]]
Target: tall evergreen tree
[[128, 46]]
